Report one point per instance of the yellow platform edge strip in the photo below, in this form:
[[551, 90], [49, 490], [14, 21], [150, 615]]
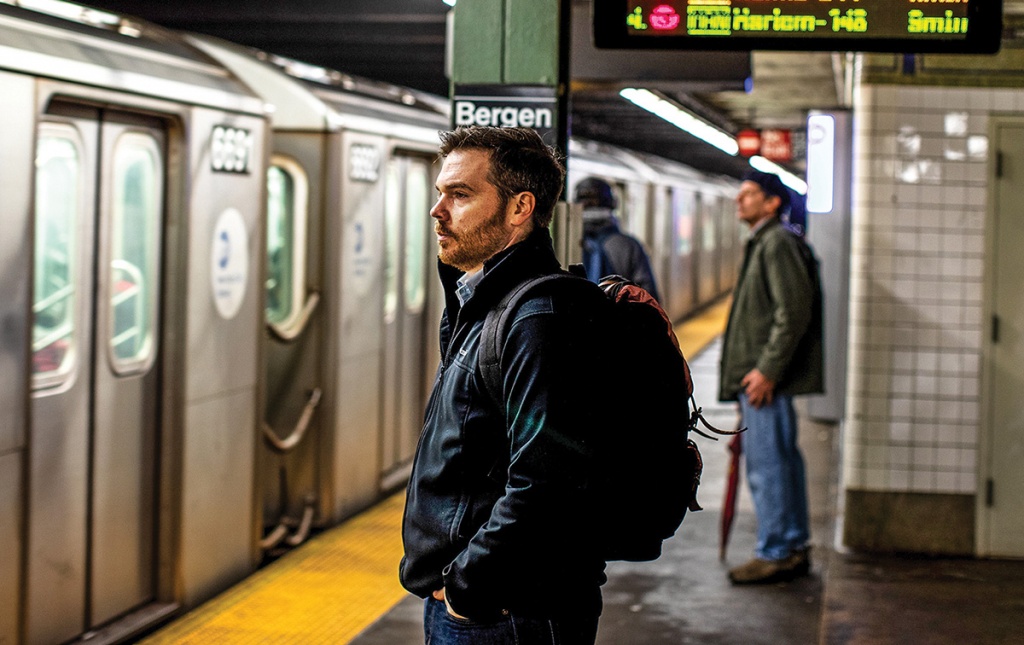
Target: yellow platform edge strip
[[327, 591], [696, 333], [334, 587]]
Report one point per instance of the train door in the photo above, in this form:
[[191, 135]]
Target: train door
[[727, 235], [724, 244], [292, 436], [100, 182], [406, 369], [1001, 506], [707, 270], [661, 247], [682, 277]]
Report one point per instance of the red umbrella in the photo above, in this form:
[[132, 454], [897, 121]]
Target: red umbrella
[[732, 483]]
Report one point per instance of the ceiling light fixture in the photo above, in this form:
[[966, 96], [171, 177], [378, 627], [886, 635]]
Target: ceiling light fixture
[[681, 118], [788, 178]]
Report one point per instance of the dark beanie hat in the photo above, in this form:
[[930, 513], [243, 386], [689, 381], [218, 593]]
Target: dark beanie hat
[[771, 185], [595, 192]]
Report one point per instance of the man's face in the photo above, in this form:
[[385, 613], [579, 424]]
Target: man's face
[[752, 205], [470, 218]]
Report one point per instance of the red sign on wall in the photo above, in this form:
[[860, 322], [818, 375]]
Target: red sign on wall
[[776, 145], [749, 142]]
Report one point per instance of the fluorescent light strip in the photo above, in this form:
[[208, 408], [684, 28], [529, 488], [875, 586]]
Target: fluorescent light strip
[[681, 119], [788, 178], [689, 123]]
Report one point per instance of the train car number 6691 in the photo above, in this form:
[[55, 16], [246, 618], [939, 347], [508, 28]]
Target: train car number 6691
[[231, 149]]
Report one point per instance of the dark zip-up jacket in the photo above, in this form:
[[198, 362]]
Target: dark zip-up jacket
[[494, 510], [621, 253]]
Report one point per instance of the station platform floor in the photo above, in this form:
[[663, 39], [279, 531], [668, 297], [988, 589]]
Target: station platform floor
[[342, 586]]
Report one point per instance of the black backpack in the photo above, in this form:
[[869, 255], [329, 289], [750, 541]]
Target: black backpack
[[811, 344], [648, 467]]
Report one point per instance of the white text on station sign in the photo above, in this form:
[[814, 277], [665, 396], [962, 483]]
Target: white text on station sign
[[470, 113]]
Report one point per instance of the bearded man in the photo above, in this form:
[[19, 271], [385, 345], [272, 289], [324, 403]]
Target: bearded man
[[494, 529]]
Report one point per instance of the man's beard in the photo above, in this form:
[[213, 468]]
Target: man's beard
[[468, 249]]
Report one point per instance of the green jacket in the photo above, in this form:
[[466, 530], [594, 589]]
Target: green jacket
[[773, 325]]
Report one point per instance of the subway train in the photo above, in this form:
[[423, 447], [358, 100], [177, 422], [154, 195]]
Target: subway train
[[230, 271]]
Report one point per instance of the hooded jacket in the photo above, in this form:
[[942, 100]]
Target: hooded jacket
[[607, 250], [494, 509]]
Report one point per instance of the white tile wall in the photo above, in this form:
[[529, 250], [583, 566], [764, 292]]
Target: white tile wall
[[921, 158]]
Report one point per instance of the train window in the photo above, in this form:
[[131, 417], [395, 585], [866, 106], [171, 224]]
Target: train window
[[58, 212], [623, 209], [683, 210], [728, 224], [134, 279], [708, 223], [392, 237], [287, 212], [417, 205]]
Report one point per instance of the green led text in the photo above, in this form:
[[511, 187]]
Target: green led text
[[918, 23]]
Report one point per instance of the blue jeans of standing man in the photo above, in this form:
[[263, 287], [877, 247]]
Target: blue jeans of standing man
[[441, 628], [775, 472]]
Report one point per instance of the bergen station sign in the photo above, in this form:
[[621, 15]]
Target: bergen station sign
[[901, 26], [508, 106]]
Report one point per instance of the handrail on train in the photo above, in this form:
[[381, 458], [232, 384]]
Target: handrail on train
[[294, 331], [66, 326], [136, 291], [279, 445]]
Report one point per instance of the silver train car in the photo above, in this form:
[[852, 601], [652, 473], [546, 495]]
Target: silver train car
[[351, 303], [133, 186], [686, 219], [220, 325], [352, 313]]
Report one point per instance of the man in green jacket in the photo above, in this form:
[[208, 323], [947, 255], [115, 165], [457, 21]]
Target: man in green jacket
[[772, 351]]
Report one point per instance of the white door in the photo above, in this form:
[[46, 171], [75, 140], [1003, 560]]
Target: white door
[[1001, 503]]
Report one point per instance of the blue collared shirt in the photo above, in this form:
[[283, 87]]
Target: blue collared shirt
[[466, 285]]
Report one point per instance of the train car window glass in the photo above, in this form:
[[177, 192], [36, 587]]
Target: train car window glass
[[287, 218], [708, 224], [58, 211], [416, 208], [640, 226], [392, 233], [663, 218], [136, 219], [683, 211], [623, 210], [280, 217], [728, 225]]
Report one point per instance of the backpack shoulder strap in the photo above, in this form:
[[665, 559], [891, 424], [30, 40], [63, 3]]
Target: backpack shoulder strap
[[492, 337], [598, 261]]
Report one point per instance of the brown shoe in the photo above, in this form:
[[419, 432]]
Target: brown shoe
[[800, 561], [759, 571]]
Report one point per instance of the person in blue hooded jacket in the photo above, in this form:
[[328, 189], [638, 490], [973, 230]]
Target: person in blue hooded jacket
[[606, 249]]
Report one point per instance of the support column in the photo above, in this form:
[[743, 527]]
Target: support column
[[512, 52]]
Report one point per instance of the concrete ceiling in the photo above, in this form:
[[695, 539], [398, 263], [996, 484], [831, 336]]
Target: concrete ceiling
[[403, 42]]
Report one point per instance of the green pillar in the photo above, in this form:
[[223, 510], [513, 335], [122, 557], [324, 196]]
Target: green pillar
[[515, 43], [506, 42], [520, 43]]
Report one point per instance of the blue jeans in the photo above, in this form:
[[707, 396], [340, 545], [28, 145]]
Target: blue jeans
[[441, 628], [775, 472]]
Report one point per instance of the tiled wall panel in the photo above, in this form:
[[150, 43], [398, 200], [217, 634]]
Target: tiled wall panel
[[921, 173]]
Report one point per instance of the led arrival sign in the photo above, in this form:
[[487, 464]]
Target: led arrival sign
[[911, 26]]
